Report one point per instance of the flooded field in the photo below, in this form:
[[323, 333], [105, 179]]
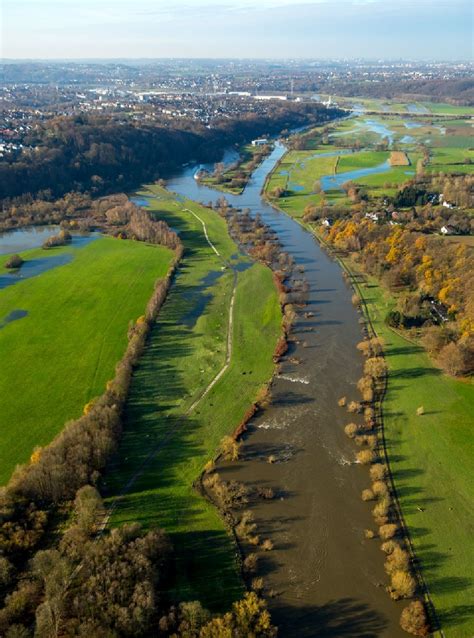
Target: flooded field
[[324, 577]]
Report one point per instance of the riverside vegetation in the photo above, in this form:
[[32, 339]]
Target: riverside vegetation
[[415, 286], [44, 576]]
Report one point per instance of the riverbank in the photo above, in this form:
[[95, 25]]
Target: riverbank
[[188, 393], [429, 458]]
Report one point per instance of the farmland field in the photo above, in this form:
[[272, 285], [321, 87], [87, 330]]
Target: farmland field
[[60, 354], [186, 351]]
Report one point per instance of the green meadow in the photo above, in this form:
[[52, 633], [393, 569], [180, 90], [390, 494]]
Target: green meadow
[[62, 352], [431, 461], [166, 442]]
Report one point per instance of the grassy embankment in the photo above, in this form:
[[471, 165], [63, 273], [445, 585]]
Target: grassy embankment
[[60, 355], [431, 459], [187, 349]]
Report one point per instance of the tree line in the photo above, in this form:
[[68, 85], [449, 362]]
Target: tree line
[[432, 278], [101, 154]]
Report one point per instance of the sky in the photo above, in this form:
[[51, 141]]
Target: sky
[[373, 29]]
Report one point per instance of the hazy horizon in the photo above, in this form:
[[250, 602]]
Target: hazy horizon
[[390, 30]]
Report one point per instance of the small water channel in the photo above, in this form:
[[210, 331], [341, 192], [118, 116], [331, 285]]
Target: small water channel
[[326, 578]]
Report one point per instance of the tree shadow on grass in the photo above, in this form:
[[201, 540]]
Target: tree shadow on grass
[[456, 615]]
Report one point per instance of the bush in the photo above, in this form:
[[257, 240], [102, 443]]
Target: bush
[[365, 457], [354, 407], [267, 545], [381, 509], [350, 430], [375, 367], [230, 448], [378, 471], [397, 560], [387, 531], [413, 619], [380, 488], [369, 534], [420, 411], [15, 261], [403, 585], [342, 402], [250, 563], [389, 546], [367, 495]]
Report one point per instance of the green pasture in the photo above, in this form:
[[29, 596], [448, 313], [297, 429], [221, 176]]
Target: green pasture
[[60, 355]]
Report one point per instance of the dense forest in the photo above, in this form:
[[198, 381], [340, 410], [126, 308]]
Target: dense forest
[[101, 154]]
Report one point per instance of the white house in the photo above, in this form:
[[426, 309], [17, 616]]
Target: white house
[[326, 222], [260, 142], [373, 216], [447, 230]]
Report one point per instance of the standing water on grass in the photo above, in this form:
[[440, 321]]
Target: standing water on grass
[[327, 579]]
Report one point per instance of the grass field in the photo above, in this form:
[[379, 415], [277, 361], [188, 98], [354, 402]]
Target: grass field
[[186, 351], [60, 355], [431, 460]]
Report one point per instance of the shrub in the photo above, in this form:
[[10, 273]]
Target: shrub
[[250, 563], [365, 457], [356, 300], [267, 545], [397, 560], [403, 585], [354, 406], [257, 584], [378, 471], [387, 531], [381, 509], [368, 533], [15, 261], [350, 430], [420, 411], [389, 546], [342, 402], [413, 619], [271, 459], [367, 495], [380, 488], [230, 448], [375, 367]]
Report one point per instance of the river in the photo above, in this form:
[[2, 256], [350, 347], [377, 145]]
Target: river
[[323, 577]]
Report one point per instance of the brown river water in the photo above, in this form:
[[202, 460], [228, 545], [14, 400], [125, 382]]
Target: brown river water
[[327, 579]]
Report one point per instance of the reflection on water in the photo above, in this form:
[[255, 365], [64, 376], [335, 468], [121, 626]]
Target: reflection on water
[[15, 241]]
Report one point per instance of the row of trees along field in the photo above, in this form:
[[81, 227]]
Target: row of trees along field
[[101, 154]]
